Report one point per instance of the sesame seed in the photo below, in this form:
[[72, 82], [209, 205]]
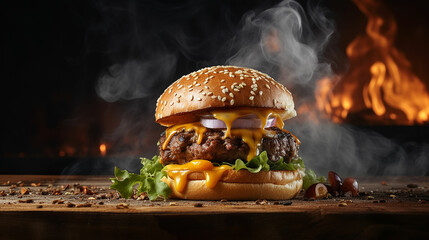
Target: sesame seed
[[222, 87], [255, 89], [192, 97], [223, 99], [199, 99], [175, 94], [190, 89], [260, 92], [252, 92], [241, 78], [204, 93], [190, 86], [226, 89], [222, 81], [268, 86], [244, 84], [231, 102], [275, 101], [251, 98], [171, 103], [219, 97], [231, 95], [197, 84], [238, 72], [237, 90], [206, 87], [180, 86], [209, 93], [169, 91]]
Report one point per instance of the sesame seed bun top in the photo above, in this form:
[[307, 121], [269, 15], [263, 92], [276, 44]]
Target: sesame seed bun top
[[226, 87]]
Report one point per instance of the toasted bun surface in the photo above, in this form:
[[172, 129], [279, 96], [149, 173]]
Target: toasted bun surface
[[225, 87], [270, 185]]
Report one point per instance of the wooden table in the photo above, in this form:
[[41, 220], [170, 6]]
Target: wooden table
[[75, 207]]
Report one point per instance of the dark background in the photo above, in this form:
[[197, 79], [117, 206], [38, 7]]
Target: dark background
[[55, 51]]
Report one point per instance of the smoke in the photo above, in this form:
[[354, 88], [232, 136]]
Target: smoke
[[135, 79], [282, 38]]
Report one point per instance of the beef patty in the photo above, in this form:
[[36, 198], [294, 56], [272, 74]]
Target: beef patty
[[183, 147]]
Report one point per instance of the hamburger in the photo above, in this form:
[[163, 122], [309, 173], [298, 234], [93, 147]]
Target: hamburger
[[224, 140]]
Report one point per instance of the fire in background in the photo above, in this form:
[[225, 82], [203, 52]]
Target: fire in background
[[380, 87]]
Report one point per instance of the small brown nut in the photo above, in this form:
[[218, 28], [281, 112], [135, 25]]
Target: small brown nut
[[350, 185], [316, 191], [70, 205], [335, 182], [122, 205], [84, 205], [25, 191]]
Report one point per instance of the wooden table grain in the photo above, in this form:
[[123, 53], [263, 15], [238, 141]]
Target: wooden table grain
[[391, 208]]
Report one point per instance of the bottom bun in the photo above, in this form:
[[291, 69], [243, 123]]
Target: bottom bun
[[197, 190]]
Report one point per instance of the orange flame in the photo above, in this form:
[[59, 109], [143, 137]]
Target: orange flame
[[380, 86], [103, 149]]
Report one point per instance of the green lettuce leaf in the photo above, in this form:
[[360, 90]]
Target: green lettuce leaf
[[148, 181], [262, 163]]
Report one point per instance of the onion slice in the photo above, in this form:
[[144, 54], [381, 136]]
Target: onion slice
[[238, 123]]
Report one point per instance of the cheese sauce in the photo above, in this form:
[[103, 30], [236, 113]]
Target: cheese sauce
[[197, 127], [180, 173], [252, 137]]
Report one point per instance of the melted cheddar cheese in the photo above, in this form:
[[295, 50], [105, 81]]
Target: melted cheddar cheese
[[252, 137], [197, 127], [180, 173]]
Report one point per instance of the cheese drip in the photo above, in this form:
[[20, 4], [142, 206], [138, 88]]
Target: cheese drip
[[252, 137], [196, 126], [180, 173]]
